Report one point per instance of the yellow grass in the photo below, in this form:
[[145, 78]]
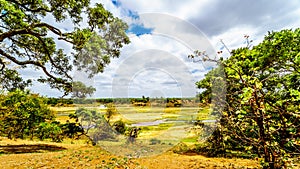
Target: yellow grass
[[81, 155]]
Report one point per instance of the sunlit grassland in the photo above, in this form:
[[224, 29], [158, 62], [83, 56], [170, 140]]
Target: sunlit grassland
[[173, 122], [77, 154], [152, 140], [132, 114]]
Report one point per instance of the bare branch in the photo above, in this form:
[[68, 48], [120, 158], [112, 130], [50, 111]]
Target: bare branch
[[226, 47]]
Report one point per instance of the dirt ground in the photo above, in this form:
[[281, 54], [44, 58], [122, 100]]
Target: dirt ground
[[37, 154]]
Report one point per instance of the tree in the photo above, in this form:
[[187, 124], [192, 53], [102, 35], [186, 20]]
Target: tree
[[10, 80], [21, 113], [51, 130], [80, 90], [262, 110], [29, 39], [110, 111], [93, 124]]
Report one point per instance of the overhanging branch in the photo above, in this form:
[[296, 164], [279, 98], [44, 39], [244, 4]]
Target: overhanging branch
[[2, 65], [30, 10], [38, 64], [29, 30]]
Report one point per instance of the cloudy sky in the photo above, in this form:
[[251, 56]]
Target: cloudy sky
[[164, 32]]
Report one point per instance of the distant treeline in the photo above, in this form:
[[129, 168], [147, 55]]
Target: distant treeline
[[143, 101]]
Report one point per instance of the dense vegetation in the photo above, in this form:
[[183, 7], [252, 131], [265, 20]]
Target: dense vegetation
[[25, 115], [260, 113], [22, 113]]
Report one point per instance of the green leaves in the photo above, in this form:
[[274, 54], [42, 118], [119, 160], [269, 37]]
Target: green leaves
[[263, 98], [295, 94], [98, 16], [80, 90], [29, 41], [246, 95], [23, 114]]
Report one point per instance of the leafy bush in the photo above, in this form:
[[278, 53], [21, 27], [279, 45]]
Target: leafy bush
[[93, 125], [50, 130], [180, 148], [119, 126], [22, 113], [154, 141]]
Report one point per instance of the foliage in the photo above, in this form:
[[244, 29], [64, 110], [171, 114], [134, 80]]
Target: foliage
[[93, 125], [262, 102], [21, 113], [144, 101], [110, 111], [180, 148], [154, 141], [30, 32], [11, 80], [132, 133], [104, 100], [80, 90], [50, 130], [71, 130], [59, 101], [119, 126], [174, 102]]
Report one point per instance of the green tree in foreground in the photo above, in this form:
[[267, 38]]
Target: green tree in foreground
[[262, 112], [29, 37], [25, 115], [93, 124], [21, 113]]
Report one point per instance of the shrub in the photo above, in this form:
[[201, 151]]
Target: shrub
[[154, 141], [21, 114], [119, 126]]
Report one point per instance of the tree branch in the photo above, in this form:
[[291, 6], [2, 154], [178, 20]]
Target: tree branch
[[2, 64], [30, 10], [51, 28], [28, 30], [50, 58], [38, 64]]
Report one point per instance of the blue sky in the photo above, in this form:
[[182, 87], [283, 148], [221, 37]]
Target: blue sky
[[139, 29], [164, 32]]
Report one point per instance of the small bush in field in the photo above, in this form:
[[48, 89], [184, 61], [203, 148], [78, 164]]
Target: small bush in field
[[119, 126]]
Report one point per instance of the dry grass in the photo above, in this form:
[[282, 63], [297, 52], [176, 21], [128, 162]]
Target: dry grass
[[81, 155], [78, 154]]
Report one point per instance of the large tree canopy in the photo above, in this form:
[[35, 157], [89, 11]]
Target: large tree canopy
[[262, 112], [29, 38]]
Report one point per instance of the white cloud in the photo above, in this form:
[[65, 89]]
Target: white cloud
[[147, 64], [177, 36], [182, 9]]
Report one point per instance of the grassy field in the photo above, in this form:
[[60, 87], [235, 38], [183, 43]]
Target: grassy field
[[77, 154], [166, 126], [131, 114], [154, 147], [169, 125]]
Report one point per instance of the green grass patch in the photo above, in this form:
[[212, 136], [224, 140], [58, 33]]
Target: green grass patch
[[204, 114], [190, 140]]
